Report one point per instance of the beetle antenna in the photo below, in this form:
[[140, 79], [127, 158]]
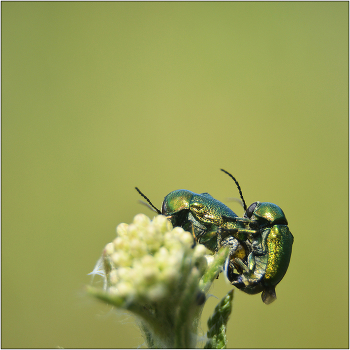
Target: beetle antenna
[[233, 199], [238, 186], [149, 202], [147, 205]]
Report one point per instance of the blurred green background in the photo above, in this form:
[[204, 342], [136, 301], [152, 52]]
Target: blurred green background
[[98, 98]]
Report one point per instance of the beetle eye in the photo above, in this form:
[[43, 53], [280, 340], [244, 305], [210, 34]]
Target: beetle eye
[[250, 210]]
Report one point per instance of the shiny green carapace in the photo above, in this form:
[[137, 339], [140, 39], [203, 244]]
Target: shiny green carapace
[[270, 245]]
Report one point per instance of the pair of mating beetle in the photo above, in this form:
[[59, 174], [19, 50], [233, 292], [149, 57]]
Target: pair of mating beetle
[[260, 242]]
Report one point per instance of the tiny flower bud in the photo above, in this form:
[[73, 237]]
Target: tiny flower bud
[[141, 220], [109, 249], [122, 229], [121, 258], [162, 223]]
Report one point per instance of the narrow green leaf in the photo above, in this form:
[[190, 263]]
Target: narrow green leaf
[[217, 323]]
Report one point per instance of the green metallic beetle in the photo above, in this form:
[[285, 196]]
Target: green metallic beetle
[[203, 215], [269, 242]]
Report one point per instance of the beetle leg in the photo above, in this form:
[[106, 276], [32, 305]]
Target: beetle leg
[[240, 263], [241, 234], [194, 235], [244, 220], [248, 276], [251, 262], [225, 232], [192, 231]]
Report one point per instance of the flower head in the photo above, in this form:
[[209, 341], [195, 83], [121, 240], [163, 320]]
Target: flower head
[[160, 274]]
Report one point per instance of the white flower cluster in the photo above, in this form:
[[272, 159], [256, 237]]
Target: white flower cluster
[[148, 259]]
